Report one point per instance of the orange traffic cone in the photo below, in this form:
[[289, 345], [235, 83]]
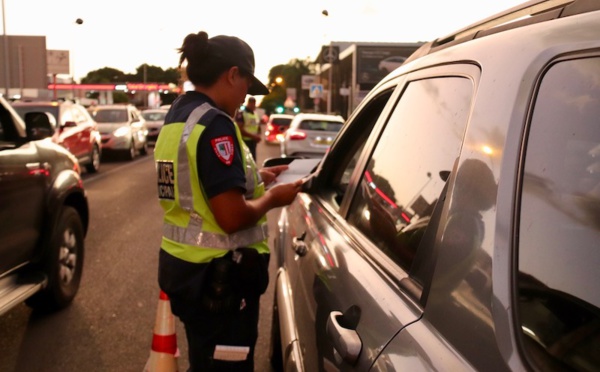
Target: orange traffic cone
[[164, 352]]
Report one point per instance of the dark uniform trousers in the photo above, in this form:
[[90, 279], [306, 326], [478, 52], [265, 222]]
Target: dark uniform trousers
[[207, 298]]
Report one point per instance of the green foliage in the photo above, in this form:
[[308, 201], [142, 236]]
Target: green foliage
[[291, 75], [153, 74], [120, 97], [104, 75]]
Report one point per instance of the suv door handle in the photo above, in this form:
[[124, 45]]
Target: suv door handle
[[345, 341], [298, 245]]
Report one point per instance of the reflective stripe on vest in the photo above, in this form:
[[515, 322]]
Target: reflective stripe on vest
[[193, 233]]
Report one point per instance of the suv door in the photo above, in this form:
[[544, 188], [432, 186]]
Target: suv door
[[22, 190], [364, 272]]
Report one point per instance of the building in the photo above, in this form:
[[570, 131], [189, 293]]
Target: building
[[354, 68]]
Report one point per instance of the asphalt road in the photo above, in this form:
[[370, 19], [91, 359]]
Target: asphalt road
[[110, 324]]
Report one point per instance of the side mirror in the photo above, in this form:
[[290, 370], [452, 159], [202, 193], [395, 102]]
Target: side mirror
[[271, 162], [39, 125]]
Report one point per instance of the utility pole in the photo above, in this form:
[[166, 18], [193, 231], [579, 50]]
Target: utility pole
[[6, 59]]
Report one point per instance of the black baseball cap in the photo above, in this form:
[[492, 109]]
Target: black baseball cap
[[235, 51]]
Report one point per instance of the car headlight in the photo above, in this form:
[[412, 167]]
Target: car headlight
[[121, 132]]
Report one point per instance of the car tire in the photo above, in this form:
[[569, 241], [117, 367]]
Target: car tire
[[130, 153], [94, 165], [63, 263], [144, 149]]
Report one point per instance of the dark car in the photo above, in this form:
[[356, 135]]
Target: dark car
[[75, 129], [454, 224], [43, 214]]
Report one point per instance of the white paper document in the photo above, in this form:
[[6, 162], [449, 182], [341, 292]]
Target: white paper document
[[297, 169]]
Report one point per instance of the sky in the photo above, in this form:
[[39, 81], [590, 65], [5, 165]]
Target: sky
[[125, 34]]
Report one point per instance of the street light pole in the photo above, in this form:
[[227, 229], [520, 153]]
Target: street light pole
[[6, 59], [330, 72]]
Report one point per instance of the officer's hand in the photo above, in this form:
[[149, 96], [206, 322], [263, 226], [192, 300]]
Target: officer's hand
[[269, 174], [285, 193]]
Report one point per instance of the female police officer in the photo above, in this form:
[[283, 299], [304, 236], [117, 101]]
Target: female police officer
[[214, 253]]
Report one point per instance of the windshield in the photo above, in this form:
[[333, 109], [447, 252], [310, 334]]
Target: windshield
[[324, 125], [110, 116], [154, 116]]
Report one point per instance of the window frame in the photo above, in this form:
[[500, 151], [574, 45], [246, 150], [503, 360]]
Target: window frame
[[516, 322], [323, 193]]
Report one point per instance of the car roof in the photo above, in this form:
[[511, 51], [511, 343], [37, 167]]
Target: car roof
[[530, 12], [311, 116], [281, 116], [42, 103]]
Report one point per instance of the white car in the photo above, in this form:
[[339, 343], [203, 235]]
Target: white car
[[122, 129], [155, 119], [310, 135]]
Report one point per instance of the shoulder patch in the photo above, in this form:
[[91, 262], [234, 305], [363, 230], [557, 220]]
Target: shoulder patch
[[224, 148]]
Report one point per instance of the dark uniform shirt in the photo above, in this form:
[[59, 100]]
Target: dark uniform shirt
[[215, 175]]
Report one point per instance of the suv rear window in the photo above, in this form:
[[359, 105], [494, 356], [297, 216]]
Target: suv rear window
[[281, 121], [322, 125], [110, 116], [559, 227]]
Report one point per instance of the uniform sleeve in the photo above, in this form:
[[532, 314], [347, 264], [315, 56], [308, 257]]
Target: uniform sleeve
[[215, 173]]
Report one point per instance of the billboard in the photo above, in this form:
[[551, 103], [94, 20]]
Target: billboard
[[375, 62], [24, 66]]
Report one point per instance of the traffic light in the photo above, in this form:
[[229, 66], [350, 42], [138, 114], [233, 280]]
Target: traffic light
[[279, 109]]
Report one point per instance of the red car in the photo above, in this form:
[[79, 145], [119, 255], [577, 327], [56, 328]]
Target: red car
[[75, 129], [276, 126]]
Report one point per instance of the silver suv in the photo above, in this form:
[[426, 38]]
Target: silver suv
[[455, 222], [122, 128]]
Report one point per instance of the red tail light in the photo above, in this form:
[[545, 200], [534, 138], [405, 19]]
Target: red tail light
[[296, 135], [270, 127]]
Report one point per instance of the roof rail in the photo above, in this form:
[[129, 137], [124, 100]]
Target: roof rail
[[530, 12]]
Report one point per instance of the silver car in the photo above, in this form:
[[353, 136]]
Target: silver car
[[454, 224], [155, 119], [122, 128], [310, 135]]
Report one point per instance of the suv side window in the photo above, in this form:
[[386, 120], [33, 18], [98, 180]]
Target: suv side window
[[559, 221], [411, 162], [355, 135]]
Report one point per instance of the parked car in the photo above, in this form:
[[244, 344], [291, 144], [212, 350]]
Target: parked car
[[310, 135], [123, 129], [75, 129], [277, 124], [389, 64], [155, 119], [43, 212], [454, 223]]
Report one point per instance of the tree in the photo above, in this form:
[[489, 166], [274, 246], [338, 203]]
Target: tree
[[291, 77], [153, 74], [104, 75]]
